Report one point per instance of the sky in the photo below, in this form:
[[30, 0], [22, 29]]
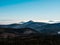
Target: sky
[[14, 11]]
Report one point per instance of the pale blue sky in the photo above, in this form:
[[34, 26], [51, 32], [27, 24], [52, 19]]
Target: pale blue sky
[[29, 10]]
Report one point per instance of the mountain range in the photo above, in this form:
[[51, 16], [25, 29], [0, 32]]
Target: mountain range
[[39, 27]]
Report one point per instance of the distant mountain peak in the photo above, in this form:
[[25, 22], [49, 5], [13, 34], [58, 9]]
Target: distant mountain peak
[[51, 21], [30, 21]]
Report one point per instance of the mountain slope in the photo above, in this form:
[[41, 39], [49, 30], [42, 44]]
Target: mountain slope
[[51, 28]]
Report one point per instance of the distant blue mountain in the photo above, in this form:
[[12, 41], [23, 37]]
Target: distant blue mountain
[[51, 28], [30, 24], [40, 27], [4, 26]]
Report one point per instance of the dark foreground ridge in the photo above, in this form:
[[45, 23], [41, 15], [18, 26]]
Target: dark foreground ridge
[[31, 40]]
